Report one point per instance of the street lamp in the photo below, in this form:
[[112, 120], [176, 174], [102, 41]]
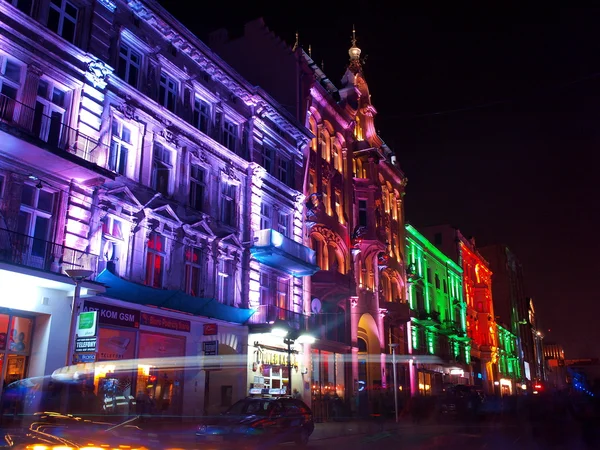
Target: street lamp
[[393, 347], [291, 337], [78, 276]]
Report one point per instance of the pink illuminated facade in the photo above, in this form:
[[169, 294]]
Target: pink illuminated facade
[[354, 217], [128, 149]]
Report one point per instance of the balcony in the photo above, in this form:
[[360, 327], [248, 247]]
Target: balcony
[[396, 311], [273, 249], [24, 130], [268, 314], [428, 317], [28, 251]]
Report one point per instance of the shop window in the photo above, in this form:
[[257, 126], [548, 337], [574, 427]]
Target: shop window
[[62, 19], [155, 260]]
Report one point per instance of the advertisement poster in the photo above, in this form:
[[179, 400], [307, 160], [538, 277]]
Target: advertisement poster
[[19, 338], [115, 344], [160, 345], [86, 324]]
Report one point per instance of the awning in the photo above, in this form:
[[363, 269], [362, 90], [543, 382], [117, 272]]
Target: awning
[[117, 287]]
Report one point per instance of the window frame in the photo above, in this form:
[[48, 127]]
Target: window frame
[[189, 266], [198, 115], [163, 97], [62, 13], [157, 254], [226, 270], [132, 49], [193, 202], [169, 166], [234, 220], [129, 146]]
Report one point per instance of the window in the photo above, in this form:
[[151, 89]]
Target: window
[[325, 198], [337, 161], [267, 158], [266, 212], [283, 289], [225, 282], [197, 187], [283, 170], [120, 147], [325, 146], [155, 260], [49, 112], [283, 223], [339, 208], [129, 66], [161, 169], [194, 262], [230, 134], [35, 219], [228, 199], [167, 93], [265, 290], [62, 19], [112, 227], [1, 185], [23, 5], [10, 82], [201, 115], [363, 213]]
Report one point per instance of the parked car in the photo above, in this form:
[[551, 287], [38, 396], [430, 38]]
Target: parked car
[[259, 421]]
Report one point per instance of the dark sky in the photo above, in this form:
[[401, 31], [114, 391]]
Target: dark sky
[[495, 117]]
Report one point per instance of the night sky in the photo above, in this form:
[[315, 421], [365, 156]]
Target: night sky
[[495, 117]]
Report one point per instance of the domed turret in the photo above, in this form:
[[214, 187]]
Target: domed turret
[[354, 51]]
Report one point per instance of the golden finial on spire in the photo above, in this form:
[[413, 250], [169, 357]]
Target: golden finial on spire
[[354, 51], [323, 65], [310, 50], [296, 43]]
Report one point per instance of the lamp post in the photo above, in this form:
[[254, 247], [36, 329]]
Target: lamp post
[[291, 337], [78, 276], [393, 347]]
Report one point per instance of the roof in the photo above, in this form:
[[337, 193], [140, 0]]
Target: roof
[[121, 289]]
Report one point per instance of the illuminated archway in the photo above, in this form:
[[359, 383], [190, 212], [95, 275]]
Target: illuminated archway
[[369, 361]]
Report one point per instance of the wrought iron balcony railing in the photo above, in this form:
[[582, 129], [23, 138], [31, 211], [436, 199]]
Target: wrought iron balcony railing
[[20, 249], [49, 129], [272, 313]]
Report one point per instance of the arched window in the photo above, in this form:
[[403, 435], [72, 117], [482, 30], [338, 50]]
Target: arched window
[[313, 129], [318, 245], [386, 287], [325, 142], [336, 259]]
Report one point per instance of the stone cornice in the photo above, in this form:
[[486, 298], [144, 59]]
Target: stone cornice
[[325, 101], [185, 42]]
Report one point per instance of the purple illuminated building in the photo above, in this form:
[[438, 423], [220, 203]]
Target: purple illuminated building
[[129, 151]]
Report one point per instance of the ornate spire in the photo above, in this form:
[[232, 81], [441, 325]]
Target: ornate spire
[[354, 51], [296, 43]]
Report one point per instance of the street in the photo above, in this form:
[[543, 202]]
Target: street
[[427, 436]]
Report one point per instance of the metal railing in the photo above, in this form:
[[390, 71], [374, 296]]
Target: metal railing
[[23, 250], [273, 313], [49, 129]]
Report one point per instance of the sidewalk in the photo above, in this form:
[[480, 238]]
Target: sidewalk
[[329, 430]]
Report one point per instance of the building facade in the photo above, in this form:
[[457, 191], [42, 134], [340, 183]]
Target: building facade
[[438, 327], [477, 292], [511, 304], [538, 371], [557, 370], [130, 150], [354, 220], [510, 378]]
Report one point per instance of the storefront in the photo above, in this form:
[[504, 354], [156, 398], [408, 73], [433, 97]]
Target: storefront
[[35, 314], [269, 363], [328, 382]]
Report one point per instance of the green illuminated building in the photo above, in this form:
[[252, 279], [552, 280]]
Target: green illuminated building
[[438, 324], [509, 366]]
